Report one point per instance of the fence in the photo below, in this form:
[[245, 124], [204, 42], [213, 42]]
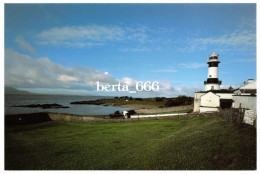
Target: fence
[[233, 115]]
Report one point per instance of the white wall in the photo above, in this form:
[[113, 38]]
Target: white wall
[[248, 102], [197, 97], [206, 109], [210, 99], [208, 87], [213, 71]]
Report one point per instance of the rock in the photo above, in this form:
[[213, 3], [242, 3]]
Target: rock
[[43, 106]]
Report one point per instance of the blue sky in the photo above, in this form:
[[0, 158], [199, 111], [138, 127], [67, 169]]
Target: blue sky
[[66, 48]]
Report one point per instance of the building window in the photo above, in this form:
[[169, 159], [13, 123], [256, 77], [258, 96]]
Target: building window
[[212, 87], [209, 75]]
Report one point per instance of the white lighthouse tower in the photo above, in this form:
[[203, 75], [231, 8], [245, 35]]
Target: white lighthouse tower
[[212, 82]]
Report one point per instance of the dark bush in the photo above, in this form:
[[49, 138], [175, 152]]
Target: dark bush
[[139, 99], [158, 99], [180, 100]]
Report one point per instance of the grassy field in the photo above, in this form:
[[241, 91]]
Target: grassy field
[[198, 142]]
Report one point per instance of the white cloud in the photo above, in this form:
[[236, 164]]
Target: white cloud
[[92, 35], [242, 38], [66, 78], [41, 74], [193, 65], [236, 38], [22, 71], [247, 60], [165, 85], [128, 81], [24, 45]]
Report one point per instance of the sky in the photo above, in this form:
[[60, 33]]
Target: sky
[[67, 48]]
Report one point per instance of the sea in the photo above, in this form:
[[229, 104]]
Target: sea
[[12, 100]]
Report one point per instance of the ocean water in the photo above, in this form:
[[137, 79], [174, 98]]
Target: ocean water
[[65, 100]]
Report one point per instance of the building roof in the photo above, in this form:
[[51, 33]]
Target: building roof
[[250, 85], [216, 91]]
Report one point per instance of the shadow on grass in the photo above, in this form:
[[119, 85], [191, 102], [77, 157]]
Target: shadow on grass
[[22, 119]]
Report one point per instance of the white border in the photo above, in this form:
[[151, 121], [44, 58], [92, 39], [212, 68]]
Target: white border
[[107, 1]]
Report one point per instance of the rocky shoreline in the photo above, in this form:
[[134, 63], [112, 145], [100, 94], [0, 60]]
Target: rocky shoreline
[[43, 106]]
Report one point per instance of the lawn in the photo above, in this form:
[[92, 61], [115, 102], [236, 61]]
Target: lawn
[[198, 142]]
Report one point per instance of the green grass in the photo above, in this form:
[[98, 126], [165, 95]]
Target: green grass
[[199, 142]]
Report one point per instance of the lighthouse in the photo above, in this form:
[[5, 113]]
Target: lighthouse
[[212, 82]]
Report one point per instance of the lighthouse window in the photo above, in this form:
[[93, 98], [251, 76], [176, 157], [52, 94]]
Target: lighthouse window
[[212, 87], [209, 75]]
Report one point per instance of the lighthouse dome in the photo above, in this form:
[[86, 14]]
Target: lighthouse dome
[[213, 54]]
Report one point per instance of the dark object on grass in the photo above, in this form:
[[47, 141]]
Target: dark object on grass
[[117, 114], [43, 106], [131, 112], [21, 119]]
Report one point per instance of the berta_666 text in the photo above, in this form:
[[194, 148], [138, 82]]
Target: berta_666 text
[[139, 86]]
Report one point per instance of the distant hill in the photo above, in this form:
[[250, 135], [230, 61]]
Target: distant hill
[[11, 90]]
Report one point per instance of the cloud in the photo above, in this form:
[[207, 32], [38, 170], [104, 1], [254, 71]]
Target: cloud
[[193, 65], [128, 81], [243, 38], [247, 60], [24, 45], [23, 71], [91, 35], [41, 74], [165, 85], [66, 78], [238, 38]]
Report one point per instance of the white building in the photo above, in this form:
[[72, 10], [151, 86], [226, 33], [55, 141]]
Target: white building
[[212, 99], [245, 97]]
